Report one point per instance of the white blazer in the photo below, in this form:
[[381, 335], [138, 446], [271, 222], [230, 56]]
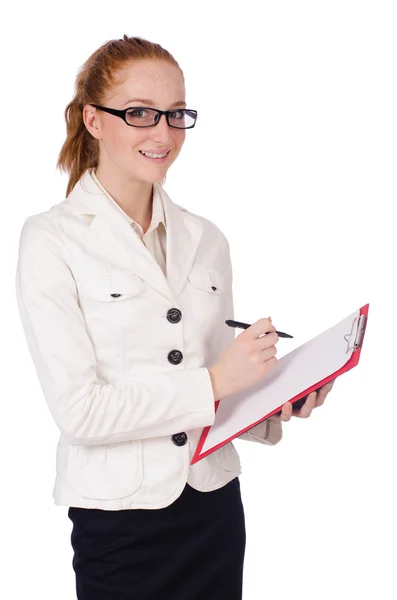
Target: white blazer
[[121, 351]]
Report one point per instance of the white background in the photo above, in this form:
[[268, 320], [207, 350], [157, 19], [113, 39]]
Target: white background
[[294, 157]]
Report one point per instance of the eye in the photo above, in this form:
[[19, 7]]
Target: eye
[[177, 114], [136, 112]]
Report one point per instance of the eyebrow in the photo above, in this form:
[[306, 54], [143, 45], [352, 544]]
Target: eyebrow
[[149, 102]]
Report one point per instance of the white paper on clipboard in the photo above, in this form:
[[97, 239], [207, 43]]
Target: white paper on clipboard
[[295, 372]]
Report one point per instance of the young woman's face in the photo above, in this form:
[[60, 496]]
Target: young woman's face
[[161, 85]]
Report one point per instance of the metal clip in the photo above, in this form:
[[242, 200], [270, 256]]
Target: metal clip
[[357, 333]]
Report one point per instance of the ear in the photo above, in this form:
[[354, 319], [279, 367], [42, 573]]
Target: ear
[[92, 121]]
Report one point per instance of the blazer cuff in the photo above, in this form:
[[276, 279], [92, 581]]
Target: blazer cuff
[[269, 432]]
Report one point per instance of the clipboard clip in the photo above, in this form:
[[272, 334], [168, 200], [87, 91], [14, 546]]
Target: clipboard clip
[[354, 339]]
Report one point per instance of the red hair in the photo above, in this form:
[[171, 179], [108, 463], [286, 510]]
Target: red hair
[[80, 150]]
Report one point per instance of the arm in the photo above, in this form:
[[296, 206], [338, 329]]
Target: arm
[[86, 410], [269, 431]]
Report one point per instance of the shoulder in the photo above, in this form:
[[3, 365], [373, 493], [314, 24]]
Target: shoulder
[[43, 228], [210, 229]]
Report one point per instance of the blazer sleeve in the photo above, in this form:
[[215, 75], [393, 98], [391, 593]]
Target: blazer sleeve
[[270, 431], [86, 410]]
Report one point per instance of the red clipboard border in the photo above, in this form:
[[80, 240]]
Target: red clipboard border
[[350, 364]]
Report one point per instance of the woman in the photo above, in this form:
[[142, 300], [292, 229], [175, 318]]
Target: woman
[[123, 296]]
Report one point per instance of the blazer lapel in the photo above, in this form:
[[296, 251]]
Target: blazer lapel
[[111, 235]]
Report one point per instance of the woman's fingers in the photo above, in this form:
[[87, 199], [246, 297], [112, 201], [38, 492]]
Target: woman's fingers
[[308, 406], [323, 392], [286, 412], [314, 400]]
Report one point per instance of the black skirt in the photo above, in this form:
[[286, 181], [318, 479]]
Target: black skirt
[[192, 549]]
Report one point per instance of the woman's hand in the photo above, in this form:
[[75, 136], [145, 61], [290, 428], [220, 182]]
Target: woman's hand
[[314, 400], [250, 356]]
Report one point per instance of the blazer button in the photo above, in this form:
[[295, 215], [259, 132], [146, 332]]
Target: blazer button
[[179, 439], [174, 315], [175, 357]]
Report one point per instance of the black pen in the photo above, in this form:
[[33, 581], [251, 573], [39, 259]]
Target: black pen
[[232, 323]]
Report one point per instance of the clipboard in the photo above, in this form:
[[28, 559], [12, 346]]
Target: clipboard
[[297, 374]]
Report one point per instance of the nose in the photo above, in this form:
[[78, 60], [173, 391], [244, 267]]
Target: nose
[[162, 130]]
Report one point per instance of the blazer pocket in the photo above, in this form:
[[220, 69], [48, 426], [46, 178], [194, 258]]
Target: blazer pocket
[[208, 280], [105, 472], [204, 294], [111, 302], [114, 288]]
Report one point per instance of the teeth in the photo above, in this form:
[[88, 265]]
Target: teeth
[[153, 155]]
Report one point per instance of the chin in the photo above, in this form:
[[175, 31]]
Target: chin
[[145, 177], [159, 179]]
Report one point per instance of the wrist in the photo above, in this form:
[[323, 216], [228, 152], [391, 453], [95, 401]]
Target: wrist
[[218, 392]]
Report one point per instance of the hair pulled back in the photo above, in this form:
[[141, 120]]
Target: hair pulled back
[[95, 78]]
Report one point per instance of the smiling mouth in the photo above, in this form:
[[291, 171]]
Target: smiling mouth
[[147, 152], [153, 159]]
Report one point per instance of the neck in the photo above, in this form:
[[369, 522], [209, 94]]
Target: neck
[[133, 196]]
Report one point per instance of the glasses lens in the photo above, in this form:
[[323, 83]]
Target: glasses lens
[[141, 117], [145, 117], [182, 118]]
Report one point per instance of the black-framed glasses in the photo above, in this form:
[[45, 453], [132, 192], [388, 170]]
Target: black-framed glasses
[[142, 116]]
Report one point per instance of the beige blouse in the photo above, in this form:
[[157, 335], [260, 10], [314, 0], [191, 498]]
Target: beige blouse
[[155, 238]]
